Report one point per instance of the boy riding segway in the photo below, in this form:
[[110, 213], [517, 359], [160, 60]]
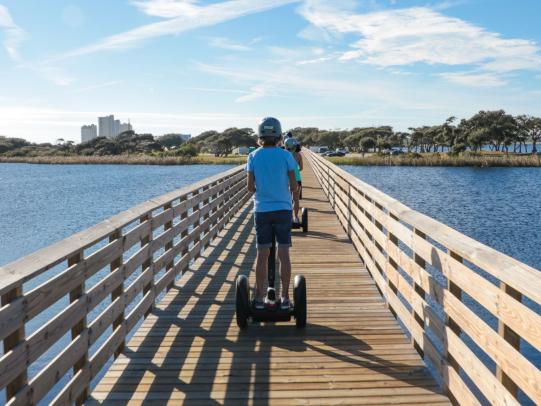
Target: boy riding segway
[[271, 176]]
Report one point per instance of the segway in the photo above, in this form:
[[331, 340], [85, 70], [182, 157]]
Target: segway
[[304, 221], [272, 311]]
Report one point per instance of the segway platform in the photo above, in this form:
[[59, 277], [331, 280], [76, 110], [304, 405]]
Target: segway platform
[[272, 311]]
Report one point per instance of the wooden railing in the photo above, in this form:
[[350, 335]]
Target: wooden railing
[[467, 307], [106, 279]]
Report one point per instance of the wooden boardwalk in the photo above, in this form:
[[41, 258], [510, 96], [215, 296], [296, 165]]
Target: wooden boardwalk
[[352, 351]]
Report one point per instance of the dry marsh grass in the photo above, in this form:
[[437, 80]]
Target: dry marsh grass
[[127, 160], [481, 160]]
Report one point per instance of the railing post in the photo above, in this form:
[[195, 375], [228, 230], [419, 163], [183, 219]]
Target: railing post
[[455, 328], [197, 237], [512, 338], [206, 216], [184, 233], [420, 291], [349, 210], [148, 263], [11, 341], [79, 327], [167, 226], [116, 264]]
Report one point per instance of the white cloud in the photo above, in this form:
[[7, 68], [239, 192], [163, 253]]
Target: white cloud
[[226, 43], [292, 78], [400, 37], [168, 8], [256, 92], [475, 79], [13, 34], [183, 16]]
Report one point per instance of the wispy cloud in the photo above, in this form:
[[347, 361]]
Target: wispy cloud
[[182, 16], [14, 35], [400, 37], [97, 86], [293, 78], [226, 43], [475, 79]]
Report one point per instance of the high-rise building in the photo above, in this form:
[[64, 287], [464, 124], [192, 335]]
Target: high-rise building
[[107, 126], [88, 132], [116, 128]]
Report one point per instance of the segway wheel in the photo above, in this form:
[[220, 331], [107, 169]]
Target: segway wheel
[[299, 296], [304, 220], [242, 301]]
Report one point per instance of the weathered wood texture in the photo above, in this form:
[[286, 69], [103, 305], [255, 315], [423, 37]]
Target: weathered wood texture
[[136, 256], [436, 281], [189, 349]]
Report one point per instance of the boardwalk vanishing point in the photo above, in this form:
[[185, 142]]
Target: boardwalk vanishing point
[[146, 313]]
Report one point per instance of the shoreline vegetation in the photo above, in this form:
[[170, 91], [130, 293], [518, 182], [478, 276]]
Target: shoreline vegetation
[[481, 160], [127, 160], [487, 139]]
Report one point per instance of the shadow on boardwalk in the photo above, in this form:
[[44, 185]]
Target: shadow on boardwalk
[[190, 348]]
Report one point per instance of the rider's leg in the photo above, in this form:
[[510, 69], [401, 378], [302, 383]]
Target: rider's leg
[[282, 228], [263, 228], [261, 271], [296, 204], [285, 270]]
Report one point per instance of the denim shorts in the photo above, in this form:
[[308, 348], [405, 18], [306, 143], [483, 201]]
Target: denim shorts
[[266, 222]]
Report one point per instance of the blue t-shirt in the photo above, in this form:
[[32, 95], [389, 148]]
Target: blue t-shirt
[[270, 167]]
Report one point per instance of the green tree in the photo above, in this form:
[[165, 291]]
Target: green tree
[[367, 143], [171, 140]]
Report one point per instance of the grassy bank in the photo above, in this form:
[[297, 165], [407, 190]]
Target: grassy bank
[[127, 160], [481, 160]]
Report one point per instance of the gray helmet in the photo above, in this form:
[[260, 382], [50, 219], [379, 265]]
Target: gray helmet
[[288, 135], [269, 127], [291, 144]]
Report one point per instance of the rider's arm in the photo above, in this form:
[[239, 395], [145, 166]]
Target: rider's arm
[[292, 181], [251, 182], [299, 160]]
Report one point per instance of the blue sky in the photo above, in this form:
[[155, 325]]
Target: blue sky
[[191, 65]]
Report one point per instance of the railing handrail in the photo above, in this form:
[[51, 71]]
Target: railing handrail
[[433, 278], [514, 273], [23, 269]]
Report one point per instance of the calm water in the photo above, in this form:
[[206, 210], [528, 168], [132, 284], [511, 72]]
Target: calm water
[[41, 204], [500, 207]]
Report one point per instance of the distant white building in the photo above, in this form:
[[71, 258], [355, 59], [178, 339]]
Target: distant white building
[[116, 128], [89, 132], [110, 128], [241, 151], [125, 127], [107, 126]]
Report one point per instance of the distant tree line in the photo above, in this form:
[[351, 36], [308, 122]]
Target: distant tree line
[[496, 129]]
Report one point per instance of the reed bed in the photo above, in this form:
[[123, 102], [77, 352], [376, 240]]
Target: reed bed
[[484, 160], [127, 160]]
